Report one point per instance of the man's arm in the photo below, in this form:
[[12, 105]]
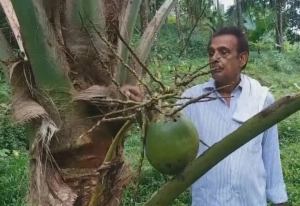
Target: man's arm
[[276, 189]]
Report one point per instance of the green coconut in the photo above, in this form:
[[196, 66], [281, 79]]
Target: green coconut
[[171, 143]]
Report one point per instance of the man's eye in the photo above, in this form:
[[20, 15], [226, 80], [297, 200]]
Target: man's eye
[[224, 52]]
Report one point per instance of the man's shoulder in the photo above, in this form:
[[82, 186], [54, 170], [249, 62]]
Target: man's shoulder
[[270, 99]]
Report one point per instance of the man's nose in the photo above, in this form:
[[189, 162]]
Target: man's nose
[[216, 56]]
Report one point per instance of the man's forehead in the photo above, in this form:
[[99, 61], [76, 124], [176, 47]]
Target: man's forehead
[[223, 41]]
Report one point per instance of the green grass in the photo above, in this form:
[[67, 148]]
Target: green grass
[[13, 179], [290, 155]]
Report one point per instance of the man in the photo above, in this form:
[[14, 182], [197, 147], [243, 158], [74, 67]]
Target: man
[[251, 175]]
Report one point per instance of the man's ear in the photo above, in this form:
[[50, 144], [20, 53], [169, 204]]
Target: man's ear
[[243, 59]]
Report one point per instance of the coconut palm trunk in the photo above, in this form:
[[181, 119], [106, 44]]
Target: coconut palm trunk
[[144, 14], [239, 14], [178, 21], [279, 7], [75, 58]]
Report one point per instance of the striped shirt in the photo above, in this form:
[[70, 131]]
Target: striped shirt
[[247, 177]]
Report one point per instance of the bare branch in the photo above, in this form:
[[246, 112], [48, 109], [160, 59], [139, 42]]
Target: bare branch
[[192, 30], [195, 100], [139, 61], [126, 65], [194, 75], [130, 117]]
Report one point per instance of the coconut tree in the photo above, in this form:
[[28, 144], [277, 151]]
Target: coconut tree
[[239, 14], [73, 57], [197, 9], [144, 15], [277, 6]]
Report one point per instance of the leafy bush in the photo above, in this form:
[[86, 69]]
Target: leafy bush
[[13, 178], [11, 136], [169, 45], [291, 168], [290, 130]]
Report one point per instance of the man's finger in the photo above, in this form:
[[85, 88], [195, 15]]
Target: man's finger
[[136, 92], [127, 93], [135, 98]]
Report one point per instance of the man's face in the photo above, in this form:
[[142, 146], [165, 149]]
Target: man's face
[[223, 48]]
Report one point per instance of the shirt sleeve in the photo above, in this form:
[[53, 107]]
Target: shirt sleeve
[[276, 188]]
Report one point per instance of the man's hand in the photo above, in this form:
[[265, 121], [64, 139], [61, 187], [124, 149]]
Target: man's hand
[[133, 92]]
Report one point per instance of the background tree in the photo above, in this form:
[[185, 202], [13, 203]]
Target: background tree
[[144, 15], [291, 20]]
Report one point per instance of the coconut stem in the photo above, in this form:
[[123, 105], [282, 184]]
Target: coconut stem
[[119, 137], [109, 155], [127, 28], [141, 159], [148, 36], [42, 48]]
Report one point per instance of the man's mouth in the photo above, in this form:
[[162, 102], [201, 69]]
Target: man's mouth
[[216, 69]]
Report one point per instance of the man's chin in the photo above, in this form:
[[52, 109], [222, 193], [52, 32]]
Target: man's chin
[[217, 75]]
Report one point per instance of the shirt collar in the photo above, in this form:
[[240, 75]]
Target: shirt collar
[[211, 84]]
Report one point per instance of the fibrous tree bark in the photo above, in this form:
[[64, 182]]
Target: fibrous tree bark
[[279, 31], [178, 20], [239, 12], [144, 15]]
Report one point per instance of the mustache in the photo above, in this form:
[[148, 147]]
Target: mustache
[[215, 66]]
